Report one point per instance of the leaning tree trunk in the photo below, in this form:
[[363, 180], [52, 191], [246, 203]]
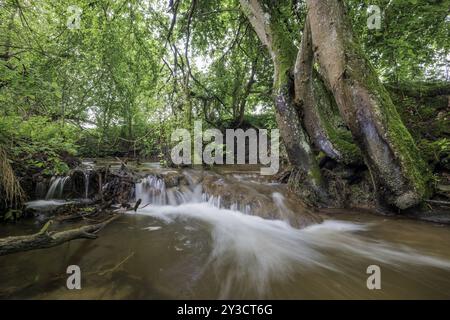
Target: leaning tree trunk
[[269, 26], [321, 117], [399, 174]]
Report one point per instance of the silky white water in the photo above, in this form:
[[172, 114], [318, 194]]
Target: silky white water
[[229, 237], [252, 250], [56, 187]]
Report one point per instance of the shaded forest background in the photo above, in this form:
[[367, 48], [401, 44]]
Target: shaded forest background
[[117, 77]]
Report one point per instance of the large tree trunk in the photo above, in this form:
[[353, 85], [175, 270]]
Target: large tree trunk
[[400, 176], [321, 116], [269, 26]]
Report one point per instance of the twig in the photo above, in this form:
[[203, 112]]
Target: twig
[[102, 273], [447, 203]]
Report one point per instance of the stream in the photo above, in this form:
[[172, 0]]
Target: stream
[[231, 234]]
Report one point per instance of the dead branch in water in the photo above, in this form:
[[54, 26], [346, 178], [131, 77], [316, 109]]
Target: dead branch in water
[[44, 239], [438, 202], [113, 269], [102, 272]]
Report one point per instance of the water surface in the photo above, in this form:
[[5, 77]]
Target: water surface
[[192, 247]]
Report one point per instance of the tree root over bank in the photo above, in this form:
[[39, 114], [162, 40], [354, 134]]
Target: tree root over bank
[[44, 239]]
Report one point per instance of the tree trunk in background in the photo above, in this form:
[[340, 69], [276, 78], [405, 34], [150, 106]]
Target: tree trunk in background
[[399, 175], [268, 25], [248, 87]]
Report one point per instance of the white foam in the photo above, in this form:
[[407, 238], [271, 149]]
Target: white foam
[[260, 250], [45, 204]]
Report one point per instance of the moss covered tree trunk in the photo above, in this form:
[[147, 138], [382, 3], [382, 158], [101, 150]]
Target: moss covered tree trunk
[[341, 106], [267, 22], [399, 174], [321, 116]]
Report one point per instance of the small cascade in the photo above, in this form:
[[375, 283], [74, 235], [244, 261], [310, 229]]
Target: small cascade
[[217, 201], [56, 187], [280, 202], [41, 190], [247, 197], [152, 190], [86, 183], [175, 196]]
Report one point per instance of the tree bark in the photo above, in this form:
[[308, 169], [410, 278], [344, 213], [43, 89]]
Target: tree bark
[[400, 176], [321, 117], [246, 93], [269, 26]]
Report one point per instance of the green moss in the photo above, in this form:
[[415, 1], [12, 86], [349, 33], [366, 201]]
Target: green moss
[[282, 42], [435, 152], [423, 116], [315, 175], [333, 124], [402, 144]]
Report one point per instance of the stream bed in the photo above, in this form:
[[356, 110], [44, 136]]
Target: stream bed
[[186, 243]]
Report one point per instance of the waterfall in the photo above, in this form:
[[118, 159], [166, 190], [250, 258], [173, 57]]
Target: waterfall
[[223, 192], [40, 190], [280, 202], [56, 187], [86, 184], [152, 190]]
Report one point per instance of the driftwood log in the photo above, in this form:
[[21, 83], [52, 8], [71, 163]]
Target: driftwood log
[[44, 239]]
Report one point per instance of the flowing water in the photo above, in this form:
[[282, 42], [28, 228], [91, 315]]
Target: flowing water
[[56, 187], [233, 236], [86, 184]]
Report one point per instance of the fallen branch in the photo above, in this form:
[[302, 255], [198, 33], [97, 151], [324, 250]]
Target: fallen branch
[[123, 164], [445, 203], [102, 273], [44, 239]]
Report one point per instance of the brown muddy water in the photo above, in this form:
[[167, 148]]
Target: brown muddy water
[[188, 245]]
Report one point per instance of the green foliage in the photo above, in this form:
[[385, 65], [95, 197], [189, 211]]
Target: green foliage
[[413, 42], [12, 215], [38, 143], [427, 117], [436, 151], [136, 70]]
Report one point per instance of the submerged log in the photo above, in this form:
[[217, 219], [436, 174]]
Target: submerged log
[[44, 239]]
